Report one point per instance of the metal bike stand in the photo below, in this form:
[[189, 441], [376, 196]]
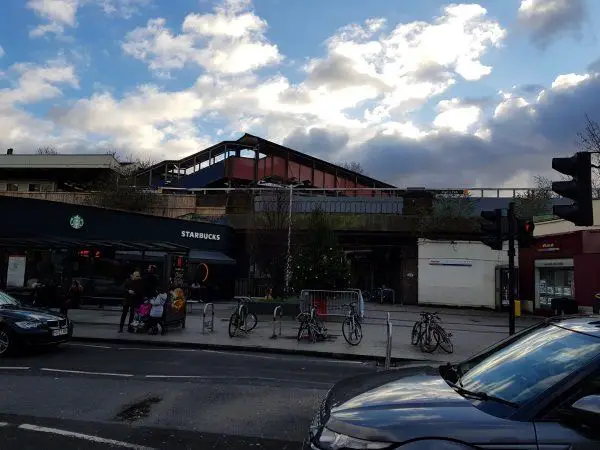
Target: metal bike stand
[[388, 347], [278, 309], [210, 324]]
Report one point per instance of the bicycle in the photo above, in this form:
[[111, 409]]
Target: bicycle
[[311, 326], [351, 328], [242, 319], [429, 334]]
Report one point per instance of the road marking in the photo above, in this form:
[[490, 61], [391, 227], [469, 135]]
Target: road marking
[[158, 349], [87, 437], [14, 368], [299, 358], [88, 345], [84, 372], [3, 424], [209, 377]]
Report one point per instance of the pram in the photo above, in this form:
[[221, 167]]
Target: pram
[[141, 319]]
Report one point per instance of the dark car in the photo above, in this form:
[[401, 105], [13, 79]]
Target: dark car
[[21, 325], [536, 390]]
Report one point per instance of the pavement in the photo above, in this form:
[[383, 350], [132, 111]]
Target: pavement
[[94, 396], [472, 331]]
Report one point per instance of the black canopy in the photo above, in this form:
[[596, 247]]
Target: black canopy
[[39, 223]]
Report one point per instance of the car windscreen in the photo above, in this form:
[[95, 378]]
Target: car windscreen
[[7, 300], [525, 368]]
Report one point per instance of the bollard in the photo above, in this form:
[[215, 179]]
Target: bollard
[[210, 325], [275, 311], [388, 348]]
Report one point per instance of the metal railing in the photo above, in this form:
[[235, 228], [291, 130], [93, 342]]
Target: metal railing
[[388, 346], [277, 312], [330, 303], [208, 324]]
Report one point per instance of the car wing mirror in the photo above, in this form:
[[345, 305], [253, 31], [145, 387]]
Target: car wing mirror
[[588, 405]]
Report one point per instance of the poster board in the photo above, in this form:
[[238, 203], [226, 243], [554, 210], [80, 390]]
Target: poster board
[[15, 273]]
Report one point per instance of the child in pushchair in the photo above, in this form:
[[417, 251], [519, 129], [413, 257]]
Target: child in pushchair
[[141, 318]]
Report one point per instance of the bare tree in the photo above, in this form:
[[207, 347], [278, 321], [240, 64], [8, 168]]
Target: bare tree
[[267, 243], [537, 201], [446, 213], [46, 150], [589, 141], [354, 167]]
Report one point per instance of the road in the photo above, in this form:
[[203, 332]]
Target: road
[[110, 396]]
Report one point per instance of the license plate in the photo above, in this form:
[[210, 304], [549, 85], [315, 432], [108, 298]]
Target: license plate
[[60, 332]]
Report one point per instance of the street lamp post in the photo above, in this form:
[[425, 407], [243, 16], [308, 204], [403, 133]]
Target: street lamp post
[[288, 262]]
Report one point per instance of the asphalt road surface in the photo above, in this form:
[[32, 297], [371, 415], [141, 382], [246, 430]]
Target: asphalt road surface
[[109, 396]]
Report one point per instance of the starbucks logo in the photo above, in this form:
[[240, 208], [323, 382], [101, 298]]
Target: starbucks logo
[[76, 222]]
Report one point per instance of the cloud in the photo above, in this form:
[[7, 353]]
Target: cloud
[[594, 66], [548, 19], [229, 41], [62, 14], [1, 52], [35, 83], [521, 137]]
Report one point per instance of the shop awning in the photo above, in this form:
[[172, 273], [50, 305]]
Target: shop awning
[[206, 256], [44, 224]]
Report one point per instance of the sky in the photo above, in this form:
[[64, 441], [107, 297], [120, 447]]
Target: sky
[[419, 92]]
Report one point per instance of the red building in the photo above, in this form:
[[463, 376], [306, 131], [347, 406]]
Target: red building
[[249, 160], [561, 266]]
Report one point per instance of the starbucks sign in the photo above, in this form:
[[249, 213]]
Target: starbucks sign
[[76, 222]]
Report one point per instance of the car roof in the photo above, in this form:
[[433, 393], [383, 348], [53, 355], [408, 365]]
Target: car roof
[[583, 324]]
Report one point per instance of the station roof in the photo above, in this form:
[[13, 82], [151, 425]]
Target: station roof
[[32, 162]]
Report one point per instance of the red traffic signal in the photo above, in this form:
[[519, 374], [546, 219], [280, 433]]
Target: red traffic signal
[[525, 233]]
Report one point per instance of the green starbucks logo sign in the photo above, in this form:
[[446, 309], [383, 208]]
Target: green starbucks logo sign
[[76, 222]]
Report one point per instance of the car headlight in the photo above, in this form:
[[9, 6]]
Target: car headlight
[[28, 324], [330, 440]]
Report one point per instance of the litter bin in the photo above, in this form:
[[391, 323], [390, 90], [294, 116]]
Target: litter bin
[[517, 308]]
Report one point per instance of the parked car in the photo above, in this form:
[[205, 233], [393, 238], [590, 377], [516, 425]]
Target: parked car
[[21, 325], [538, 389]]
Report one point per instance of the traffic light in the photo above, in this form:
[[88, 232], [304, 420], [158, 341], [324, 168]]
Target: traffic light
[[491, 227], [579, 189], [525, 233]]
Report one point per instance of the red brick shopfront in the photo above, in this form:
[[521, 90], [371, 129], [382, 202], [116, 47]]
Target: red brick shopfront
[[561, 266]]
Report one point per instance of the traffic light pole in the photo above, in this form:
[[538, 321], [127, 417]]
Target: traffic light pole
[[511, 267]]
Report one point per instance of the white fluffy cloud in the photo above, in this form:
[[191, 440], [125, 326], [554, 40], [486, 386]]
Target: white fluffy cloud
[[547, 19], [355, 102], [229, 41], [61, 14]]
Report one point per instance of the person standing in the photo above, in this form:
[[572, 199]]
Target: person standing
[[72, 298], [132, 299]]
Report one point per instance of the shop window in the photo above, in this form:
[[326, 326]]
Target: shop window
[[35, 187], [12, 187], [555, 283]]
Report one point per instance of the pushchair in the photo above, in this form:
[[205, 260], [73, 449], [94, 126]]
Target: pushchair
[[141, 319]]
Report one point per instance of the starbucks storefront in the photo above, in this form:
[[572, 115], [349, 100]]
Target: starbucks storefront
[[41, 240]]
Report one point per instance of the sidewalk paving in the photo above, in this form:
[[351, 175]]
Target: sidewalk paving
[[471, 333]]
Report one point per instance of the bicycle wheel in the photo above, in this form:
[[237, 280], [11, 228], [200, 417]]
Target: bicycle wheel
[[352, 331], [427, 343], [415, 336], [251, 321], [303, 331], [234, 324], [443, 339]]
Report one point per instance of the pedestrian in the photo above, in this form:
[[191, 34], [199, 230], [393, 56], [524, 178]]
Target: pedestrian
[[72, 297], [132, 298]]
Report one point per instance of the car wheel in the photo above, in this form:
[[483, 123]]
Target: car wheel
[[7, 341]]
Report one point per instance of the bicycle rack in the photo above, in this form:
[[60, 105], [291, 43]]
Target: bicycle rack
[[388, 347], [279, 310], [208, 324]]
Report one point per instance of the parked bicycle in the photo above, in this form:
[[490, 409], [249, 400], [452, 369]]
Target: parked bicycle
[[310, 326], [242, 319], [428, 333], [351, 328]]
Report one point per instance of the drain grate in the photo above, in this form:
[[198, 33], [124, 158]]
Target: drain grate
[[138, 410]]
